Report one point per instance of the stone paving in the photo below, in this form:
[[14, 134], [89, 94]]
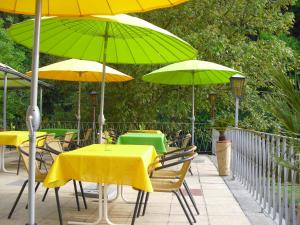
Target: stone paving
[[215, 201]]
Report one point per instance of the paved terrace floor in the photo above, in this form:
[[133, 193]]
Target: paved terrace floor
[[215, 201]]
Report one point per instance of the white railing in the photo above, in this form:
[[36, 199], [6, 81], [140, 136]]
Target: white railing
[[254, 162]]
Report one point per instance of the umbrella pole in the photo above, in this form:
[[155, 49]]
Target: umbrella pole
[[33, 114], [4, 121], [41, 102], [101, 116], [193, 113], [78, 113], [4, 101]]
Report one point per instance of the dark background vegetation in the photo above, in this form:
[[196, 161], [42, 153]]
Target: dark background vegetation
[[260, 38]]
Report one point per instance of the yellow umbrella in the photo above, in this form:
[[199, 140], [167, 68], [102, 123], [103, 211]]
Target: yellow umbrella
[[82, 71], [85, 7]]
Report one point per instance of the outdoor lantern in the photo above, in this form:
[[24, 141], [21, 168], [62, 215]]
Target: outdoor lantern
[[237, 87], [212, 97], [93, 96]]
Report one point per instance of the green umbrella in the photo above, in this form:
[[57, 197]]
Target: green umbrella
[[192, 72], [119, 39]]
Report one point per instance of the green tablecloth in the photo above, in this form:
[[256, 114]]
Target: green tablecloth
[[59, 131], [157, 140]]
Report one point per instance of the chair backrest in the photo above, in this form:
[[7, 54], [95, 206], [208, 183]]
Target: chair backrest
[[67, 139], [184, 159], [87, 135], [24, 152], [186, 140], [56, 146]]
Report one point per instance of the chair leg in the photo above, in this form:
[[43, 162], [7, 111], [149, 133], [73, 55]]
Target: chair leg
[[18, 198], [145, 204], [36, 187], [136, 207], [140, 204], [182, 206], [76, 195], [187, 205], [190, 196], [82, 193], [45, 194], [190, 170], [58, 206], [19, 164]]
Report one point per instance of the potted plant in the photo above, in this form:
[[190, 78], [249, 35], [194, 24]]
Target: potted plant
[[223, 145]]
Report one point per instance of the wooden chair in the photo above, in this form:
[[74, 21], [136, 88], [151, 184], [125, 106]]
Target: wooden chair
[[39, 178], [41, 140], [175, 173], [67, 141], [55, 148], [87, 136], [168, 185]]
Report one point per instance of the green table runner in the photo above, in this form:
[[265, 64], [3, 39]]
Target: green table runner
[[157, 140]]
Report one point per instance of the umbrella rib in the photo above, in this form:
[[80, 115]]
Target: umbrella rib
[[141, 47], [179, 42], [126, 44], [78, 7], [30, 30], [109, 7], [76, 41], [153, 47], [146, 34], [113, 34], [138, 2], [15, 7]]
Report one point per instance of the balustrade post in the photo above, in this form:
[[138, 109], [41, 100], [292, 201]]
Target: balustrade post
[[278, 149]]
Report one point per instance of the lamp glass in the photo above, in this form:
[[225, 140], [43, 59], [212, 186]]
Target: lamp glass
[[93, 95], [237, 85], [212, 98]]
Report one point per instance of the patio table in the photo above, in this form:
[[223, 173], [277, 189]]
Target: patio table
[[145, 131], [59, 131], [104, 164], [14, 138], [159, 141]]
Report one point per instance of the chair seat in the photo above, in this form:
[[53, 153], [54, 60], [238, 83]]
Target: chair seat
[[40, 177], [166, 174], [164, 185]]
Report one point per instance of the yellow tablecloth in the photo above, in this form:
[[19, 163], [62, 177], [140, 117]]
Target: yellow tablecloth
[[15, 138], [145, 131], [104, 164]]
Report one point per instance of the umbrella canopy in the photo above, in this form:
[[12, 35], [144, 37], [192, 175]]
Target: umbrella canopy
[[16, 79], [108, 39], [81, 71], [192, 72], [128, 40], [85, 7], [12, 79]]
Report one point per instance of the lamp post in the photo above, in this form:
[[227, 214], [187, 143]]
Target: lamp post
[[237, 87], [93, 96], [212, 97]]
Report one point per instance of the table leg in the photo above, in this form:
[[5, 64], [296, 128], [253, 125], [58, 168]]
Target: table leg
[[117, 195], [2, 159], [124, 199], [100, 211], [105, 207]]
